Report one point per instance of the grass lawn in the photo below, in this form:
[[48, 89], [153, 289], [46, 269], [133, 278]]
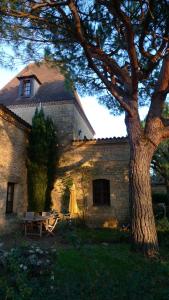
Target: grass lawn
[[87, 264]]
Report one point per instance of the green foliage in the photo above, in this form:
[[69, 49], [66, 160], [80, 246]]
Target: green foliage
[[81, 235], [160, 160], [163, 231], [163, 225], [52, 160], [37, 186], [89, 272], [103, 29], [42, 156], [67, 183], [159, 198], [65, 200], [160, 201], [38, 146]]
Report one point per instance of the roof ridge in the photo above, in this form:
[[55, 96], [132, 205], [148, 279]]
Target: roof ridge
[[121, 138]]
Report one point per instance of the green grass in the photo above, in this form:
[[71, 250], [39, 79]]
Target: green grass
[[84, 235], [98, 264], [111, 273]]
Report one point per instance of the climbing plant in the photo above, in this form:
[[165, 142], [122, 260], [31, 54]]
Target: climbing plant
[[67, 184], [42, 160]]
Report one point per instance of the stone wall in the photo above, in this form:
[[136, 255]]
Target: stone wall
[[81, 127], [65, 116], [86, 161], [13, 137], [80, 162]]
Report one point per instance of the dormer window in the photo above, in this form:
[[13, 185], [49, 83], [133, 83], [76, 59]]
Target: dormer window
[[26, 88]]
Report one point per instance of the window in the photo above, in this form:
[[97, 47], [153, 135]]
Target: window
[[10, 197], [27, 88], [101, 192]]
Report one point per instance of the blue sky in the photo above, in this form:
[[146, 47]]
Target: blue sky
[[104, 124]]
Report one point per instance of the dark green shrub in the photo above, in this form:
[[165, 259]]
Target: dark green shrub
[[37, 185], [163, 231], [67, 183], [159, 198], [162, 225], [42, 157]]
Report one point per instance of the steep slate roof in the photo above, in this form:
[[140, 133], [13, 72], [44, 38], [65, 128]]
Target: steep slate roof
[[52, 88]]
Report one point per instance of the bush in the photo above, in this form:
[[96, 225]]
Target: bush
[[22, 270], [159, 198], [37, 179], [163, 231], [84, 235], [159, 211], [162, 225], [80, 273]]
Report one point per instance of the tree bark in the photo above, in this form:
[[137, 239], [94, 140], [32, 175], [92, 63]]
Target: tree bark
[[143, 229]]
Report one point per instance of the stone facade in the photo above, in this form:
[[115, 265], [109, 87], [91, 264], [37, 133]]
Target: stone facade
[[70, 123], [13, 138], [85, 161]]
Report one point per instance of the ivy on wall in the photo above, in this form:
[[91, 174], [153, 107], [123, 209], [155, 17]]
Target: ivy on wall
[[67, 184]]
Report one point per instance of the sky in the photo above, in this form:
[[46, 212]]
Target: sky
[[103, 123]]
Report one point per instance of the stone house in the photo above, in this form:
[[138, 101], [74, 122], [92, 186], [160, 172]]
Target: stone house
[[98, 168], [13, 140]]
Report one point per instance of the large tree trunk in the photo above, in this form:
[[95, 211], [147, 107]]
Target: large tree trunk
[[143, 228]]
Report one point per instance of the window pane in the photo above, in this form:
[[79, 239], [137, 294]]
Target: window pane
[[27, 88], [10, 197], [101, 192]]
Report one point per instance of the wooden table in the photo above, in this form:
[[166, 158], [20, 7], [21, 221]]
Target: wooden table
[[38, 221]]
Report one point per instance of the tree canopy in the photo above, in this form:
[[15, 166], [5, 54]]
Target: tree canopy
[[115, 44]]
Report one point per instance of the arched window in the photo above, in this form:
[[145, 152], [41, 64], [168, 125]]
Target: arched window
[[101, 192]]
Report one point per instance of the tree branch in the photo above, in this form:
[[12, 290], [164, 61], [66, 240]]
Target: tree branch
[[122, 74], [92, 51], [153, 59], [114, 8], [161, 90], [112, 88]]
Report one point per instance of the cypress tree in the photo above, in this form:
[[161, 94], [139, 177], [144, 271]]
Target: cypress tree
[[52, 160], [41, 162]]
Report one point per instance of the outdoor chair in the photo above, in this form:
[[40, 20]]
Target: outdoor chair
[[45, 213], [51, 227], [28, 225], [45, 225]]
